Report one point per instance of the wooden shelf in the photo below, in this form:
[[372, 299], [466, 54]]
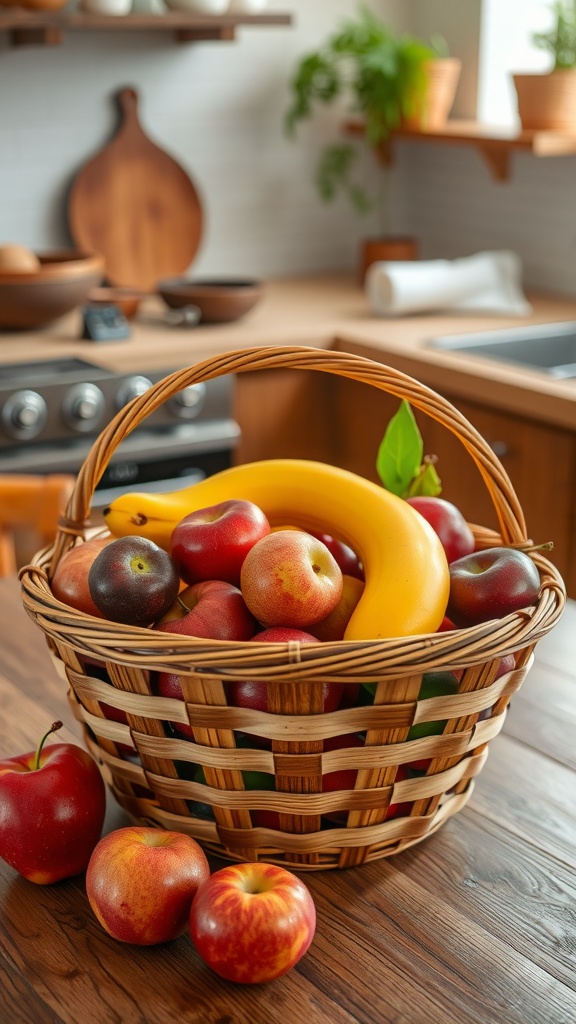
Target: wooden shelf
[[41, 28], [495, 144]]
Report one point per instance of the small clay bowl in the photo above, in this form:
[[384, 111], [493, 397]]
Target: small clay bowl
[[127, 299], [219, 300]]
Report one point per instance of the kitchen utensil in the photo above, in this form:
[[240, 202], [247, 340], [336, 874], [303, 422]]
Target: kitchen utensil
[[40, 296], [136, 205], [218, 300]]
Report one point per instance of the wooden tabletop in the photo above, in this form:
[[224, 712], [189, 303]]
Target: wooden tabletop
[[476, 925]]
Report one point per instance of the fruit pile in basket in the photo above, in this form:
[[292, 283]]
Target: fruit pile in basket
[[298, 546]]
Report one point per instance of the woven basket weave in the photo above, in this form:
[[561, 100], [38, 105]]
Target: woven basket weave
[[153, 772]]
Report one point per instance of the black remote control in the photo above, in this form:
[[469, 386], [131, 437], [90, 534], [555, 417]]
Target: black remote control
[[104, 323]]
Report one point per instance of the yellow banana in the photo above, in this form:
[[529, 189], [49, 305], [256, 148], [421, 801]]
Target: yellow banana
[[407, 579]]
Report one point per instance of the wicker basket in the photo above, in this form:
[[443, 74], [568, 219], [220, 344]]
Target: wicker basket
[[153, 772]]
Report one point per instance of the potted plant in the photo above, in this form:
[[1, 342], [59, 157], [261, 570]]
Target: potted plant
[[386, 79], [549, 100]]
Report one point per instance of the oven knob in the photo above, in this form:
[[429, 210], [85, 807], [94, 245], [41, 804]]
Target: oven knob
[[83, 406], [131, 388], [187, 403], [24, 414]]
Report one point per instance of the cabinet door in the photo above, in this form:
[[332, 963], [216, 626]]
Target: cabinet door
[[284, 414]]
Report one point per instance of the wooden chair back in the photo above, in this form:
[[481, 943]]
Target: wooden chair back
[[29, 509]]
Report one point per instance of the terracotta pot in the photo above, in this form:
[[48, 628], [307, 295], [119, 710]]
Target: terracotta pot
[[375, 250], [547, 101], [436, 104]]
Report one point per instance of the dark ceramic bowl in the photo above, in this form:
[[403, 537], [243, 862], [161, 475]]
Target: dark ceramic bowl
[[218, 300], [35, 299]]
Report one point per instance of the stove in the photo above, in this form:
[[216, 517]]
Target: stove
[[52, 411]]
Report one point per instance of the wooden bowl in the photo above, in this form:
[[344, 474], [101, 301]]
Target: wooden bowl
[[218, 300], [35, 299]]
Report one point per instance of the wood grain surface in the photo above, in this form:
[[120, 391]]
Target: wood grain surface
[[136, 206], [476, 925]]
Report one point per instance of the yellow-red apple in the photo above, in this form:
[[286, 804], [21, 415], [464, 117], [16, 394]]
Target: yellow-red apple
[[141, 881], [70, 579], [290, 578], [252, 922]]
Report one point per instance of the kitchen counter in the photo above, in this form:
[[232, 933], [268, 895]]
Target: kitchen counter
[[475, 924], [326, 311]]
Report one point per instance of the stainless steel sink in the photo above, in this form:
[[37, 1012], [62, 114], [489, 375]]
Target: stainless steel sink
[[547, 347]]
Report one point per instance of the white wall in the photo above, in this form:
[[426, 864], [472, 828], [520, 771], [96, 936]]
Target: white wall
[[217, 107]]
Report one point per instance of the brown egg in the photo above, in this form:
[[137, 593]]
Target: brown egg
[[17, 259]]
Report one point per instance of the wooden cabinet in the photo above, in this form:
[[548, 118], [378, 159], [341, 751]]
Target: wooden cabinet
[[540, 461], [285, 414]]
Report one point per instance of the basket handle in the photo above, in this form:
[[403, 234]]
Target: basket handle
[[343, 364]]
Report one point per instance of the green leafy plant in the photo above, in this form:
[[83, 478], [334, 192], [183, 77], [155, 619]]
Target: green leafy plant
[[384, 77], [560, 40], [400, 462]]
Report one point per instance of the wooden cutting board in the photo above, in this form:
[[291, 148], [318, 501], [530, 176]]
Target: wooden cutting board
[[134, 204]]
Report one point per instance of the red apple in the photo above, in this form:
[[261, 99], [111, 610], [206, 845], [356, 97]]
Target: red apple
[[489, 584], [70, 580], [289, 578], [212, 543], [168, 685], [342, 778], [133, 581], [347, 559], [249, 693], [448, 522], [252, 922], [140, 883], [507, 664], [334, 625], [213, 609], [52, 806], [446, 625]]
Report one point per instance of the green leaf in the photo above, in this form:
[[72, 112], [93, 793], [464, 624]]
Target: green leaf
[[400, 453]]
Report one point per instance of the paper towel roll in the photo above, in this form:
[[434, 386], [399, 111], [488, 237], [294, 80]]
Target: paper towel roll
[[486, 282]]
